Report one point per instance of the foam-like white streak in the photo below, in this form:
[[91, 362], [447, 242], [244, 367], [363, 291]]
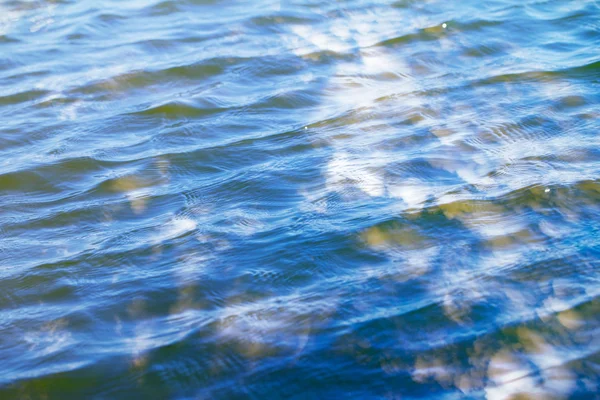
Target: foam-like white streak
[[313, 40], [509, 375], [342, 170], [174, 228], [412, 194], [8, 18]]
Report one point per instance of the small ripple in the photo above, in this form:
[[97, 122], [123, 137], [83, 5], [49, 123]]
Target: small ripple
[[180, 109]]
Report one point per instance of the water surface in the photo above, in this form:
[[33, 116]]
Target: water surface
[[302, 199]]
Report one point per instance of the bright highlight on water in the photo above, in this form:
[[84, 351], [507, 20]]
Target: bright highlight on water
[[299, 199]]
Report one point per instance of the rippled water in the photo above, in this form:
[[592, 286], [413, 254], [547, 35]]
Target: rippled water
[[299, 199]]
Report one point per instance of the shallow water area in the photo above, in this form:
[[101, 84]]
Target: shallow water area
[[299, 199]]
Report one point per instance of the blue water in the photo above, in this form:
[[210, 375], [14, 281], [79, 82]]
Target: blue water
[[362, 199]]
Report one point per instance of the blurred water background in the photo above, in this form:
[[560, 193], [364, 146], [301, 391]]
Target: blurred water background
[[303, 199]]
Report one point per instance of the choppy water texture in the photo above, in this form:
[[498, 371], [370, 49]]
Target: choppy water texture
[[300, 199]]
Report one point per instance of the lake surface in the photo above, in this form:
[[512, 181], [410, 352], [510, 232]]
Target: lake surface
[[301, 199]]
